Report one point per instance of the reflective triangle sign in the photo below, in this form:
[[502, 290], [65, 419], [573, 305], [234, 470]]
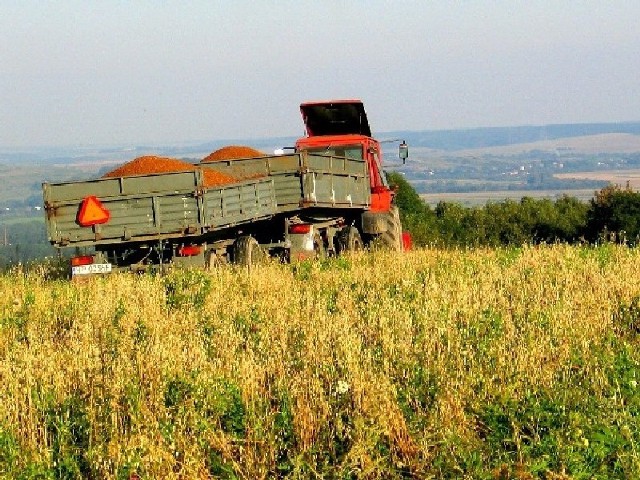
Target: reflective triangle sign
[[92, 212]]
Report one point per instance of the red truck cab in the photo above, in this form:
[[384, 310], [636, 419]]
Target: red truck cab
[[341, 128]]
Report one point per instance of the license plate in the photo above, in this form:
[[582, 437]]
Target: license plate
[[89, 269]]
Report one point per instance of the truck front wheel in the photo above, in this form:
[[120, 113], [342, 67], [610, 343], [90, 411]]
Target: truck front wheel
[[392, 238]]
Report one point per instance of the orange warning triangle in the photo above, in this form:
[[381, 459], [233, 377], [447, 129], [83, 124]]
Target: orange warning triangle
[[92, 212]]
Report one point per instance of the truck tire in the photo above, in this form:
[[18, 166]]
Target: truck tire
[[247, 251], [391, 239], [349, 240]]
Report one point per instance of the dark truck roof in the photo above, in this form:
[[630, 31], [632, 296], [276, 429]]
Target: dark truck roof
[[335, 117]]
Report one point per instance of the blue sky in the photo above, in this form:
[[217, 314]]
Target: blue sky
[[115, 72]]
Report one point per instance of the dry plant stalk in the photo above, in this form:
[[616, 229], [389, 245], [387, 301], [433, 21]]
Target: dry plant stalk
[[369, 364]]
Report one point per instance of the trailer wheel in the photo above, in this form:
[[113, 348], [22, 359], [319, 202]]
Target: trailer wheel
[[392, 238], [247, 251], [349, 240]]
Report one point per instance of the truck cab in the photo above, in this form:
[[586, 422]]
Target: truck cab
[[341, 128]]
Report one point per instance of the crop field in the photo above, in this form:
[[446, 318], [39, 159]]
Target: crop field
[[629, 177], [485, 363]]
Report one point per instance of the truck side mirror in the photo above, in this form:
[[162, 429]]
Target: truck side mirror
[[403, 152]]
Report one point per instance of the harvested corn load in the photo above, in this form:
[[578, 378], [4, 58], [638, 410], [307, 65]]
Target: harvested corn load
[[151, 164], [213, 178], [232, 152]]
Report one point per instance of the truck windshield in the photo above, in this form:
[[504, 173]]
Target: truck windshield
[[349, 151]]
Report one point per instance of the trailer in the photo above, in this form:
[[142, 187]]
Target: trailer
[[327, 196]]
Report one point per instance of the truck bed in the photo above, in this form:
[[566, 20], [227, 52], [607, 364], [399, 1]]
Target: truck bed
[[178, 205]]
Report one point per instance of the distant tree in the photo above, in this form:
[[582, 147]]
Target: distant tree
[[614, 213], [508, 223], [571, 219], [496, 223], [417, 217], [406, 198], [456, 225]]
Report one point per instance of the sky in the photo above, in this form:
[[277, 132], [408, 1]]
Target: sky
[[102, 72]]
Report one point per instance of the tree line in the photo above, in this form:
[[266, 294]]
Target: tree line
[[612, 215]]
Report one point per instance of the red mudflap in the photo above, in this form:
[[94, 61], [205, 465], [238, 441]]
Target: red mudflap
[[407, 243]]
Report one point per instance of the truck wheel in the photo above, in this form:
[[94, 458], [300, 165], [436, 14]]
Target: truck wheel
[[392, 238], [247, 251], [349, 240]]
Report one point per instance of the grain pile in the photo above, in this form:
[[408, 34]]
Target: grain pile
[[232, 152], [151, 164]]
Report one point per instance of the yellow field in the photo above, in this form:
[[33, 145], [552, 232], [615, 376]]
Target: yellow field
[[623, 178], [509, 363]]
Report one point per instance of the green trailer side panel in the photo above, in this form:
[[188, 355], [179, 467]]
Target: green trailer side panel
[[245, 168], [335, 181], [64, 192], [239, 203], [284, 163], [171, 205], [130, 218], [154, 215], [115, 187], [176, 213], [304, 179], [288, 190], [335, 165], [322, 189]]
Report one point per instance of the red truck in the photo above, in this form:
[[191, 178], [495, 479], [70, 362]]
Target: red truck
[[326, 195]]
